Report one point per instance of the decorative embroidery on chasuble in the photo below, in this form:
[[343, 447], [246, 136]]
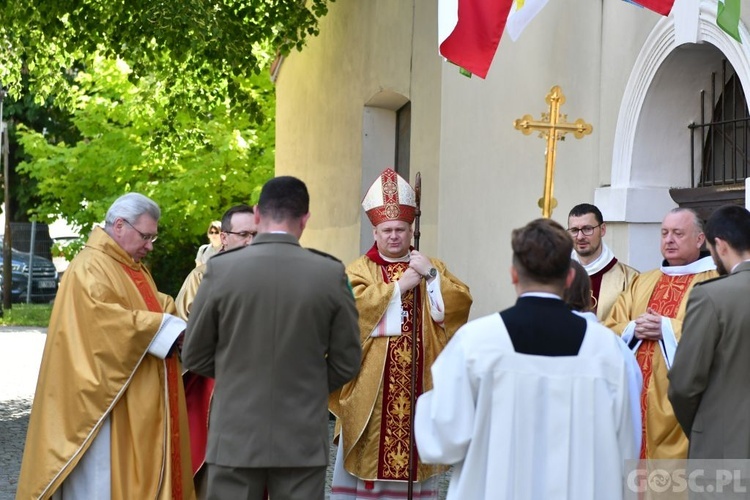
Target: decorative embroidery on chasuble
[[390, 196], [665, 300], [395, 432], [173, 378]]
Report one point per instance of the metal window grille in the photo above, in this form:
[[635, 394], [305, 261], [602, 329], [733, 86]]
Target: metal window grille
[[724, 135]]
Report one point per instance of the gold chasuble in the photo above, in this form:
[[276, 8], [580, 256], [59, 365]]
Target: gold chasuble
[[374, 410], [666, 293], [611, 283], [96, 366]]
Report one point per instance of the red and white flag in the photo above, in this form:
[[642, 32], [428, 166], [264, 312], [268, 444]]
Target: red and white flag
[[469, 32], [663, 7]]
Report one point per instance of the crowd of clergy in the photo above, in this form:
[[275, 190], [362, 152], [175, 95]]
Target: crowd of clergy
[[226, 391]]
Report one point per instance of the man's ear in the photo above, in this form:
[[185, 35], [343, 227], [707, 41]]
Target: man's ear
[[720, 247], [303, 222], [701, 239], [603, 228], [513, 275], [570, 277]]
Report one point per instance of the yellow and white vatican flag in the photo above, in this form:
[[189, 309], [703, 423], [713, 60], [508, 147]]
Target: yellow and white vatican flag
[[521, 14]]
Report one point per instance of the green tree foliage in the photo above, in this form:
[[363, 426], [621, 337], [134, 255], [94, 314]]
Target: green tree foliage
[[193, 163], [200, 49], [170, 99]]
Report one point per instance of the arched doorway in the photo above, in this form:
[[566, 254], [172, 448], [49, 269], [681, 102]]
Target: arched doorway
[[652, 144]]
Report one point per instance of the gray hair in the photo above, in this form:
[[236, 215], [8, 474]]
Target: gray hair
[[697, 221], [131, 206]]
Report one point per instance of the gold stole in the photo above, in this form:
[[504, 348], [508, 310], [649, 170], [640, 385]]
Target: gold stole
[[665, 300], [395, 434], [173, 379]]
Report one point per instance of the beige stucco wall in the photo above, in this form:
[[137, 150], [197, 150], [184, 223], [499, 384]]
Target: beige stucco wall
[[481, 177], [365, 50], [491, 174]]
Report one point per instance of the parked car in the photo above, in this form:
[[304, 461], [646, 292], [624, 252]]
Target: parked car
[[44, 278]]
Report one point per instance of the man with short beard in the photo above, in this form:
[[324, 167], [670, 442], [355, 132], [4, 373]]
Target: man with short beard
[[708, 381], [609, 277]]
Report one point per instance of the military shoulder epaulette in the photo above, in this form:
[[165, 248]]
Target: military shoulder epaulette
[[328, 255], [712, 280], [224, 252]]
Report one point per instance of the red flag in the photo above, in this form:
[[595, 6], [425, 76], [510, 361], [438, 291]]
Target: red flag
[[663, 7], [474, 39]]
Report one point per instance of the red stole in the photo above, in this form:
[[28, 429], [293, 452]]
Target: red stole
[[396, 412], [665, 300], [596, 282], [199, 391], [172, 379]]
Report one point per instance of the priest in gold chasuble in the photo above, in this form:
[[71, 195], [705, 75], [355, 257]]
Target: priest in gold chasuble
[[397, 290], [108, 419], [649, 315], [609, 277]]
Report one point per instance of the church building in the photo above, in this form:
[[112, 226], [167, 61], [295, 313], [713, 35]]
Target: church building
[[664, 96]]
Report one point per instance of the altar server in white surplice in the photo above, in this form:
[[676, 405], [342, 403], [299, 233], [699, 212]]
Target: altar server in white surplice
[[531, 402]]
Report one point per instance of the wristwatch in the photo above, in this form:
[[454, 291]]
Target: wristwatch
[[430, 274]]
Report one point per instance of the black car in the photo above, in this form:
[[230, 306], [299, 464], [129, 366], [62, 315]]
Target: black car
[[44, 278]]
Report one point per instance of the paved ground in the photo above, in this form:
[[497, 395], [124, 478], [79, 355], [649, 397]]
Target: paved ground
[[20, 355]]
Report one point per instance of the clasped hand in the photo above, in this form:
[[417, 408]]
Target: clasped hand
[[648, 326], [419, 265]]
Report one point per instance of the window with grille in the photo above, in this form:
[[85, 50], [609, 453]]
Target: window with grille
[[719, 147], [724, 133]]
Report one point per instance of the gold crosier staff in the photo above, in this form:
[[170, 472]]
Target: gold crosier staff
[[412, 394]]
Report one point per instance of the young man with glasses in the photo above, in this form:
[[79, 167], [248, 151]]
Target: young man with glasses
[[238, 228], [609, 277], [276, 325], [533, 401]]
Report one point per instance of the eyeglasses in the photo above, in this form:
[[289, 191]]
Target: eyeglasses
[[144, 237], [243, 234], [586, 230], [214, 232]]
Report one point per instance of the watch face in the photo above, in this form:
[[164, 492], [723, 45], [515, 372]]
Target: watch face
[[433, 272]]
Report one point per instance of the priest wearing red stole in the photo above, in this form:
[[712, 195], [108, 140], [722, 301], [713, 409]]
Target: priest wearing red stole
[[609, 277], [649, 316], [397, 290], [108, 419]]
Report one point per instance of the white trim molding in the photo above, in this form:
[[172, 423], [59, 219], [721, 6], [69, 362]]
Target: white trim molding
[[691, 21]]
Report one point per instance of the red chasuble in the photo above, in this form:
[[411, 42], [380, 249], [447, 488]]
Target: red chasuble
[[665, 300], [396, 422]]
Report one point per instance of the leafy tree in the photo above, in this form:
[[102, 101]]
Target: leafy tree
[[200, 49], [164, 98], [194, 164]]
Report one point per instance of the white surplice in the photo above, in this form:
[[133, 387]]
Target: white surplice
[[523, 427]]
